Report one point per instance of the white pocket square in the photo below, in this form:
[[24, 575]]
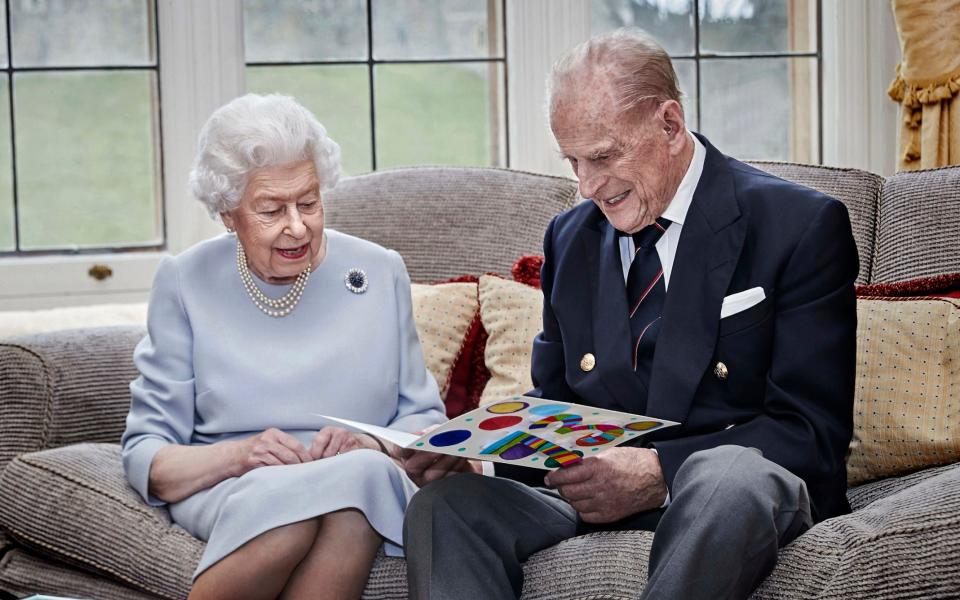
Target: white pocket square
[[741, 301]]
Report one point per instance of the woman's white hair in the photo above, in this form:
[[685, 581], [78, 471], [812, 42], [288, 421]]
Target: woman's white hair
[[252, 132]]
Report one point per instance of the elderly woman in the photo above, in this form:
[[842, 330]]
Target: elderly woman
[[252, 334]]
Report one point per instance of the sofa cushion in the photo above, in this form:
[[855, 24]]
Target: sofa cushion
[[858, 190], [919, 225], [906, 413], [65, 387], [23, 573], [867, 493], [81, 510], [609, 564], [448, 221], [512, 315], [443, 314], [901, 546]]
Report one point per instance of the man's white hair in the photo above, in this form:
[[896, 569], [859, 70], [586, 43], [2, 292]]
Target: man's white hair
[[252, 132], [637, 66]]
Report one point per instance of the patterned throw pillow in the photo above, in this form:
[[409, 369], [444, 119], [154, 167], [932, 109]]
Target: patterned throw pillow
[[907, 398], [443, 314], [511, 313]]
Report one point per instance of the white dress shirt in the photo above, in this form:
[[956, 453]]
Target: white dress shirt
[[676, 212]]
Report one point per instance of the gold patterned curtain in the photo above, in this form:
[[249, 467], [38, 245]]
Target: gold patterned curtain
[[927, 84]]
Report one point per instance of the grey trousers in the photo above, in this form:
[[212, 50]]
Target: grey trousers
[[467, 536]]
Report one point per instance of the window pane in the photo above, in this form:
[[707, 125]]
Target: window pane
[[86, 159], [339, 97], [63, 33], [762, 108], [436, 29], [7, 239], [670, 22], [687, 75], [294, 31], [449, 114], [758, 25]]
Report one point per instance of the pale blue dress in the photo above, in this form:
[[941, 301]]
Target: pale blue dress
[[213, 367]]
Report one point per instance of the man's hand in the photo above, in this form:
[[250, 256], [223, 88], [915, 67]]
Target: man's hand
[[424, 467], [612, 485]]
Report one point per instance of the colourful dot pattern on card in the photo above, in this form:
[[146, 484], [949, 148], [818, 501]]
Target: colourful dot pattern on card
[[643, 425], [605, 433], [567, 419], [545, 410], [501, 422], [450, 438], [520, 444], [502, 408]]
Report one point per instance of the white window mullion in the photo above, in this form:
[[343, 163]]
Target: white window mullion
[[538, 31], [201, 68]]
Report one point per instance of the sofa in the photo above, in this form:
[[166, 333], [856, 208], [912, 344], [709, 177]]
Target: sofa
[[71, 526]]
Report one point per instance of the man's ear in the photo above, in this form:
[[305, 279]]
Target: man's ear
[[671, 116]]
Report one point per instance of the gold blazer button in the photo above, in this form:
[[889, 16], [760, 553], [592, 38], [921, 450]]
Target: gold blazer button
[[587, 363], [721, 371]]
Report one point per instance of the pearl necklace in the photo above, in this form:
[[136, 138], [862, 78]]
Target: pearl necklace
[[279, 307]]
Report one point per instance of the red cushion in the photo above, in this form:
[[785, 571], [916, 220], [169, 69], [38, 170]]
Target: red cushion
[[939, 286], [527, 270]]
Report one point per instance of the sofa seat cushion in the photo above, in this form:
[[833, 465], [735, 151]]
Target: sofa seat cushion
[[82, 511], [23, 573], [607, 564], [901, 546]]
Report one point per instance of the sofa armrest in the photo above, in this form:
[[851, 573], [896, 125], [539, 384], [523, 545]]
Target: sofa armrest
[[65, 387]]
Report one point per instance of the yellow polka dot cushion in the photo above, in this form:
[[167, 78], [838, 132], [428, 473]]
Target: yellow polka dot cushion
[[907, 398], [443, 314], [512, 314]]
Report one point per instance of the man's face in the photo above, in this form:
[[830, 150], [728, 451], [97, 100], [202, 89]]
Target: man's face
[[625, 163]]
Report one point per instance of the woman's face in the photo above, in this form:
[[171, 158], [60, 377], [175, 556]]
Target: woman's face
[[279, 221]]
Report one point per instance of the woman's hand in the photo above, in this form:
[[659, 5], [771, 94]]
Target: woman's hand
[[331, 441], [268, 448]]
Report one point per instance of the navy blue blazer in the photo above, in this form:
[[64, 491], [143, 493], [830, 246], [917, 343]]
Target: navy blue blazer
[[790, 359]]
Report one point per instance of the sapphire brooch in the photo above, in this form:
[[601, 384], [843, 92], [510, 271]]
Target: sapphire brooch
[[356, 281]]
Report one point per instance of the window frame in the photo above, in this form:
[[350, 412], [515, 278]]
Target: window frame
[[200, 56], [370, 62], [202, 66]]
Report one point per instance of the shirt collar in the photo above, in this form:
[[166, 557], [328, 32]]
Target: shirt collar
[[678, 207]]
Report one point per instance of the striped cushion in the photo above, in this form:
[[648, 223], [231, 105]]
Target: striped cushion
[[858, 190], [918, 234], [23, 573], [449, 221], [65, 387]]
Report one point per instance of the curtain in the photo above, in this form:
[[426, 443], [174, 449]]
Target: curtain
[[927, 84]]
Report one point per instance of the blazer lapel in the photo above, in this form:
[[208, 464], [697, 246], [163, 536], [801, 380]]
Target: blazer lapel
[[710, 244], [611, 324]]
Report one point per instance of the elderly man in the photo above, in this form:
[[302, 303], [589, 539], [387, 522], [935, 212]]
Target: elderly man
[[691, 287]]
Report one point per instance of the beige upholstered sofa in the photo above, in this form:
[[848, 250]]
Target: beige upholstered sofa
[[70, 525]]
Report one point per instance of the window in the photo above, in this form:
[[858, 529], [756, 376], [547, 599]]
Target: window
[[750, 69], [79, 126], [396, 82]]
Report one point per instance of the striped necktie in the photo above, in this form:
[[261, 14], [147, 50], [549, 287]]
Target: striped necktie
[[646, 292]]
